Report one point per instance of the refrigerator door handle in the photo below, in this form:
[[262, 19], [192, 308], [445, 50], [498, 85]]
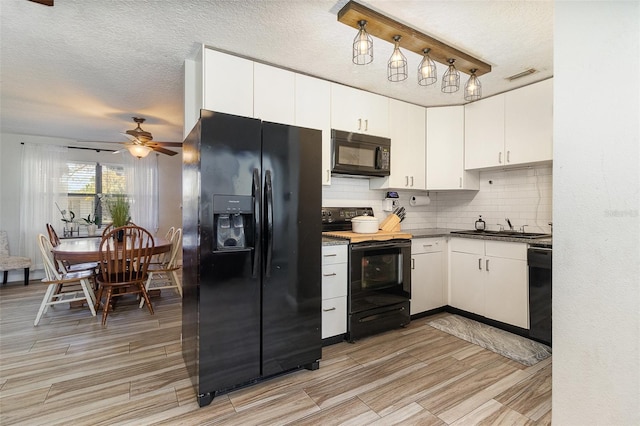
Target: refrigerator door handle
[[268, 194], [255, 192]]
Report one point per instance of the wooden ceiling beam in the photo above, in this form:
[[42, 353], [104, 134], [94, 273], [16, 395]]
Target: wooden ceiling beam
[[385, 28]]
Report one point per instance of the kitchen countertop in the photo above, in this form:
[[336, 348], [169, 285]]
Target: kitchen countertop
[[446, 232]]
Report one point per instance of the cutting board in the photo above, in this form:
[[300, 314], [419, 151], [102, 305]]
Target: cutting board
[[354, 237]]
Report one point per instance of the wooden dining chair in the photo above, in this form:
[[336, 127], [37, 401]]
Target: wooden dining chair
[[53, 236], [62, 287], [125, 253], [166, 274]]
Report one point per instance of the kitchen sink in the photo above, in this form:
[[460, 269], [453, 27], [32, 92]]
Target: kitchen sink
[[505, 234]]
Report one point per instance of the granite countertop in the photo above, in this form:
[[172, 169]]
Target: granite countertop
[[446, 232]]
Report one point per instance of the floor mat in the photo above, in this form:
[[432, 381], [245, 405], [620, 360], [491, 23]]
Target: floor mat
[[512, 346]]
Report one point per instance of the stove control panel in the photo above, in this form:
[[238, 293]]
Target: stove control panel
[[339, 218]]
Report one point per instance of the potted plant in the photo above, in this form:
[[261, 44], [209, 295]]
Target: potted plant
[[119, 211], [92, 224]]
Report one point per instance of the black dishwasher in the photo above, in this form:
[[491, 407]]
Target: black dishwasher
[[539, 260]]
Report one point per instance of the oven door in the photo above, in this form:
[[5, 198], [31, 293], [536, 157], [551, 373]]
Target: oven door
[[380, 274]]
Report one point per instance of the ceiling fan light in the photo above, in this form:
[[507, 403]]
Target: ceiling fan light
[[139, 151], [362, 46], [427, 72], [473, 88], [397, 65], [451, 79]]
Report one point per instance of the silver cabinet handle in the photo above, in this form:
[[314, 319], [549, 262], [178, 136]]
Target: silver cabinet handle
[[508, 155], [486, 266], [480, 264], [500, 158], [413, 263], [330, 255], [359, 123], [406, 181], [328, 175], [427, 245], [460, 182], [411, 180], [330, 309], [329, 275], [366, 125]]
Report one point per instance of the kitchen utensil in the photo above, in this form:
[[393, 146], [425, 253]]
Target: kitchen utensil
[[364, 224]]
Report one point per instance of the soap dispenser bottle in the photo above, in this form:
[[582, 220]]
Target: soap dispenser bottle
[[480, 224]]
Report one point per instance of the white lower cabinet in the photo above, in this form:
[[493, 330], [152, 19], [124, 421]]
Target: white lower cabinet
[[490, 278], [427, 274], [334, 290]]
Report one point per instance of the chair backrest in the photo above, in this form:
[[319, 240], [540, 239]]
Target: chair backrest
[[175, 248], [53, 237], [4, 244], [50, 269], [169, 235], [125, 253]]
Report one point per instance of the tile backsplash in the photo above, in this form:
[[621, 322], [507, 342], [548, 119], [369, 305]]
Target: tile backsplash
[[523, 195]]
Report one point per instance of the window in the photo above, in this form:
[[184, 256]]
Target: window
[[88, 185]]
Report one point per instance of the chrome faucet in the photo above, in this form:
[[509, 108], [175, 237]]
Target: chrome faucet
[[509, 223]]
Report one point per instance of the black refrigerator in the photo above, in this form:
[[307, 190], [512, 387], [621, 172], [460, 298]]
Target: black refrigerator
[[251, 306]]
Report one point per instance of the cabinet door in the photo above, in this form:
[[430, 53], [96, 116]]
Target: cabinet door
[[484, 133], [427, 282], [467, 282], [273, 94], [506, 291], [445, 150], [529, 123], [334, 316], [358, 111], [334, 280], [407, 133], [375, 112], [227, 83], [313, 110]]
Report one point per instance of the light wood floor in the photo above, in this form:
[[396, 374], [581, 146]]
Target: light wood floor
[[71, 370]]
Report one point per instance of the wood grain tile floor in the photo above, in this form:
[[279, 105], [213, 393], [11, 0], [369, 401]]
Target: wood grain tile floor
[[71, 370]]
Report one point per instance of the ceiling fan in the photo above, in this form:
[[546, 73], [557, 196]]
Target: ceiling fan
[[141, 142]]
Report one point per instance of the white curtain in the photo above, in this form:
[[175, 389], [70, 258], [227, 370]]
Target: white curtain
[[41, 188], [142, 187]]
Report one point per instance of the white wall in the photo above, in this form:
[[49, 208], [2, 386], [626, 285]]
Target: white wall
[[596, 298], [523, 195], [170, 183]]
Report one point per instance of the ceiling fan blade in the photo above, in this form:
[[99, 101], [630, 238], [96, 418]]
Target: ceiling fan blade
[[174, 144], [162, 150], [44, 2]]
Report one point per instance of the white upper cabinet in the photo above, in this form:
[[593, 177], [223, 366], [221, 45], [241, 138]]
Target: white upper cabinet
[[445, 150], [227, 83], [513, 128], [529, 123], [407, 133], [354, 110], [313, 110], [484, 133], [273, 94]]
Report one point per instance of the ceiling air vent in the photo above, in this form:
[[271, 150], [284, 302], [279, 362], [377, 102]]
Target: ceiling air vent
[[522, 74]]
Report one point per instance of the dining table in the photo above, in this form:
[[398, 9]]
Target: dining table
[[83, 250]]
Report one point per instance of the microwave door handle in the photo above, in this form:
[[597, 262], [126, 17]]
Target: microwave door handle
[[378, 158]]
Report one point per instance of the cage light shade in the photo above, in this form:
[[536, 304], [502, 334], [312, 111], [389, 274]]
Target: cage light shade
[[427, 72], [139, 151], [451, 79], [473, 88], [397, 65], [362, 46]]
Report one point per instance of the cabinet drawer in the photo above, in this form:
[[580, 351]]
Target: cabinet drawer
[[467, 245], [334, 316], [507, 250], [334, 254], [334, 280], [426, 245]]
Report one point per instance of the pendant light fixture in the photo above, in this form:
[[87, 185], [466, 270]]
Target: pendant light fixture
[[362, 46], [451, 78], [427, 73], [473, 88], [397, 65]]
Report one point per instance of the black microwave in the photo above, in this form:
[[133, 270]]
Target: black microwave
[[357, 154]]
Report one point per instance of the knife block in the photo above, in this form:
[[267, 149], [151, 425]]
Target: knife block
[[390, 224]]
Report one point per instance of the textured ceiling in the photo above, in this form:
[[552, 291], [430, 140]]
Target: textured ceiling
[[83, 68]]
